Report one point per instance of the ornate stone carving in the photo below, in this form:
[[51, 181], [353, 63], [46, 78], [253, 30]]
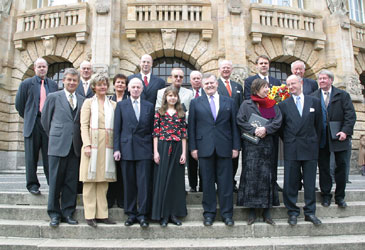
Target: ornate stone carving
[[353, 86], [168, 38], [102, 8], [289, 45], [101, 68], [337, 6], [239, 74], [49, 42], [234, 7], [5, 6]]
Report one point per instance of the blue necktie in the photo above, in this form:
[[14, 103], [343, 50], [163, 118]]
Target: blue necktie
[[135, 107], [212, 107], [299, 105]]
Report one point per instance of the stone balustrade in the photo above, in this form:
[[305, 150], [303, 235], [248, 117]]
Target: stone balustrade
[[192, 15], [358, 36], [282, 21], [55, 21]]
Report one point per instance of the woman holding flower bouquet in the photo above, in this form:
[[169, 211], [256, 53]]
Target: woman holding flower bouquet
[[257, 188]]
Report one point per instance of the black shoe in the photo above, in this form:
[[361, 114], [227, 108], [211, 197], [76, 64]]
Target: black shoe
[[175, 221], [55, 222], [192, 190], [229, 222], [106, 221], [316, 189], [208, 221], [251, 220], [341, 203], [91, 223], [312, 218], [348, 182], [280, 189], [69, 220], [235, 189], [35, 191], [268, 220], [164, 222], [326, 202], [130, 221], [143, 223], [300, 186], [292, 220]]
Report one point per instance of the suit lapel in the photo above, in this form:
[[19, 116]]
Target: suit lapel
[[131, 111], [222, 88], [79, 104], [205, 103], [292, 108], [306, 109], [36, 90], [222, 104]]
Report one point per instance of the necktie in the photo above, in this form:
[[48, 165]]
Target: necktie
[[266, 78], [228, 88], [197, 94], [299, 105], [85, 88], [327, 100], [70, 100], [145, 81], [135, 107], [212, 107], [42, 96]]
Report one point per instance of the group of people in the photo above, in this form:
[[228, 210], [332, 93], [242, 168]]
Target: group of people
[[132, 148]]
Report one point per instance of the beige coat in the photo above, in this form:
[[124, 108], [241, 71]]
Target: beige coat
[[86, 140]]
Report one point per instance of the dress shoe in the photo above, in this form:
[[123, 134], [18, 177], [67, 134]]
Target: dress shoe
[[292, 220], [175, 221], [316, 189], [55, 222], [341, 203], [106, 221], [280, 189], [192, 190], [69, 220], [235, 189], [348, 182], [91, 223], [143, 223], [129, 222], [268, 220], [326, 202], [35, 191], [229, 222], [312, 218], [208, 221], [164, 222], [251, 220]]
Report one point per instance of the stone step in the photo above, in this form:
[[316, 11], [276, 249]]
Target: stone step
[[195, 212], [189, 230], [340, 242], [25, 198]]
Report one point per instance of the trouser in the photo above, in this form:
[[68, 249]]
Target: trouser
[[94, 198]]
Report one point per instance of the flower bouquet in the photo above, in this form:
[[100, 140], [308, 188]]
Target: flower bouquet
[[279, 93]]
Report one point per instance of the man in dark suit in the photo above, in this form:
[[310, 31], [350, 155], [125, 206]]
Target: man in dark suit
[[336, 107], [301, 127], [29, 102], [133, 126], [214, 140], [196, 86], [84, 88], [232, 90], [151, 83], [61, 122], [309, 85]]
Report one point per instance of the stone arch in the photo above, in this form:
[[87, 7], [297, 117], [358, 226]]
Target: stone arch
[[359, 63]]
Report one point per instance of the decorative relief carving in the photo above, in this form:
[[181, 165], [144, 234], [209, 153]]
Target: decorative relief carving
[[5, 6], [337, 6], [351, 83], [168, 38], [289, 45], [239, 74], [49, 42], [102, 8], [234, 7]]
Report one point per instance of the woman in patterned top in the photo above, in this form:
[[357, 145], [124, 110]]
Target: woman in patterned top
[[169, 145]]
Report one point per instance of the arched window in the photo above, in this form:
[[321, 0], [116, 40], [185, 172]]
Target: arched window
[[162, 67], [56, 70], [280, 70]]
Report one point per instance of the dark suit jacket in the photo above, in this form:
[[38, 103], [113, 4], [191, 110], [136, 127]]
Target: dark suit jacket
[[131, 137], [248, 82], [340, 108], [207, 135], [309, 86], [301, 134], [237, 92], [150, 93], [80, 91], [58, 123], [114, 97], [27, 100]]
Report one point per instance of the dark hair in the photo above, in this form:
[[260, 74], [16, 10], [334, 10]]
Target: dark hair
[[120, 76], [263, 57], [257, 84], [179, 109]]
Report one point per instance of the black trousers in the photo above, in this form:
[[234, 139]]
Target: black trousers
[[63, 179], [217, 169], [292, 176], [136, 180], [116, 190], [38, 140], [193, 171]]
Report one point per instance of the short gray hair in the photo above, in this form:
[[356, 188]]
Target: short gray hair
[[295, 62], [196, 72], [71, 71], [294, 76], [135, 79], [326, 72], [209, 75], [40, 59], [225, 61]]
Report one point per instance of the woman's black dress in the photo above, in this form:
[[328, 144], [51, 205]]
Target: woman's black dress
[[169, 176]]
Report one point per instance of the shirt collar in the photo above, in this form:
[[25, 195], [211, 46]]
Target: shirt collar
[[263, 77], [148, 75], [68, 93], [138, 100], [224, 80], [329, 91]]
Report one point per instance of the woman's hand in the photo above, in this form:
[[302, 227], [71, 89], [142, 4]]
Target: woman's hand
[[87, 151], [260, 132], [183, 158], [156, 158]]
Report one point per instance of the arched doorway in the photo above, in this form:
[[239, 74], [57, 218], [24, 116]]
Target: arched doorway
[[56, 70]]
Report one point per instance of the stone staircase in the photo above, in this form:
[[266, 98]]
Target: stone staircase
[[24, 224]]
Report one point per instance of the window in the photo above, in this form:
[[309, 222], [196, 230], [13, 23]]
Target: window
[[356, 10], [278, 2], [162, 67], [280, 71], [56, 70]]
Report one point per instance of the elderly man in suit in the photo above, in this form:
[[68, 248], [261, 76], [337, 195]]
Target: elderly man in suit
[[233, 90], [133, 126], [337, 108], [61, 122], [214, 140], [151, 83], [309, 85], [84, 88], [29, 102], [301, 129]]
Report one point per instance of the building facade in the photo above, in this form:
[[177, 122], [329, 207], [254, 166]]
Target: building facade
[[193, 34]]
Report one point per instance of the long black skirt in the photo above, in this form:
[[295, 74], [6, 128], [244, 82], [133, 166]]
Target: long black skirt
[[257, 188], [169, 196]]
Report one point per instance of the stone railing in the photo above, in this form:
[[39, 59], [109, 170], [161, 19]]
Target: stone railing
[[358, 35], [192, 15], [284, 21], [61, 20]]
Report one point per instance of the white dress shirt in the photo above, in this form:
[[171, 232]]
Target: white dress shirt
[[74, 99]]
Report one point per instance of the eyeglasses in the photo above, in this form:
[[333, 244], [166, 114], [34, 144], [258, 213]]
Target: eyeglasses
[[178, 76]]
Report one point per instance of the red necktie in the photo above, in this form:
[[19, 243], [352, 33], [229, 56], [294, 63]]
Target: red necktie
[[42, 96], [197, 94], [145, 81], [228, 88]]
